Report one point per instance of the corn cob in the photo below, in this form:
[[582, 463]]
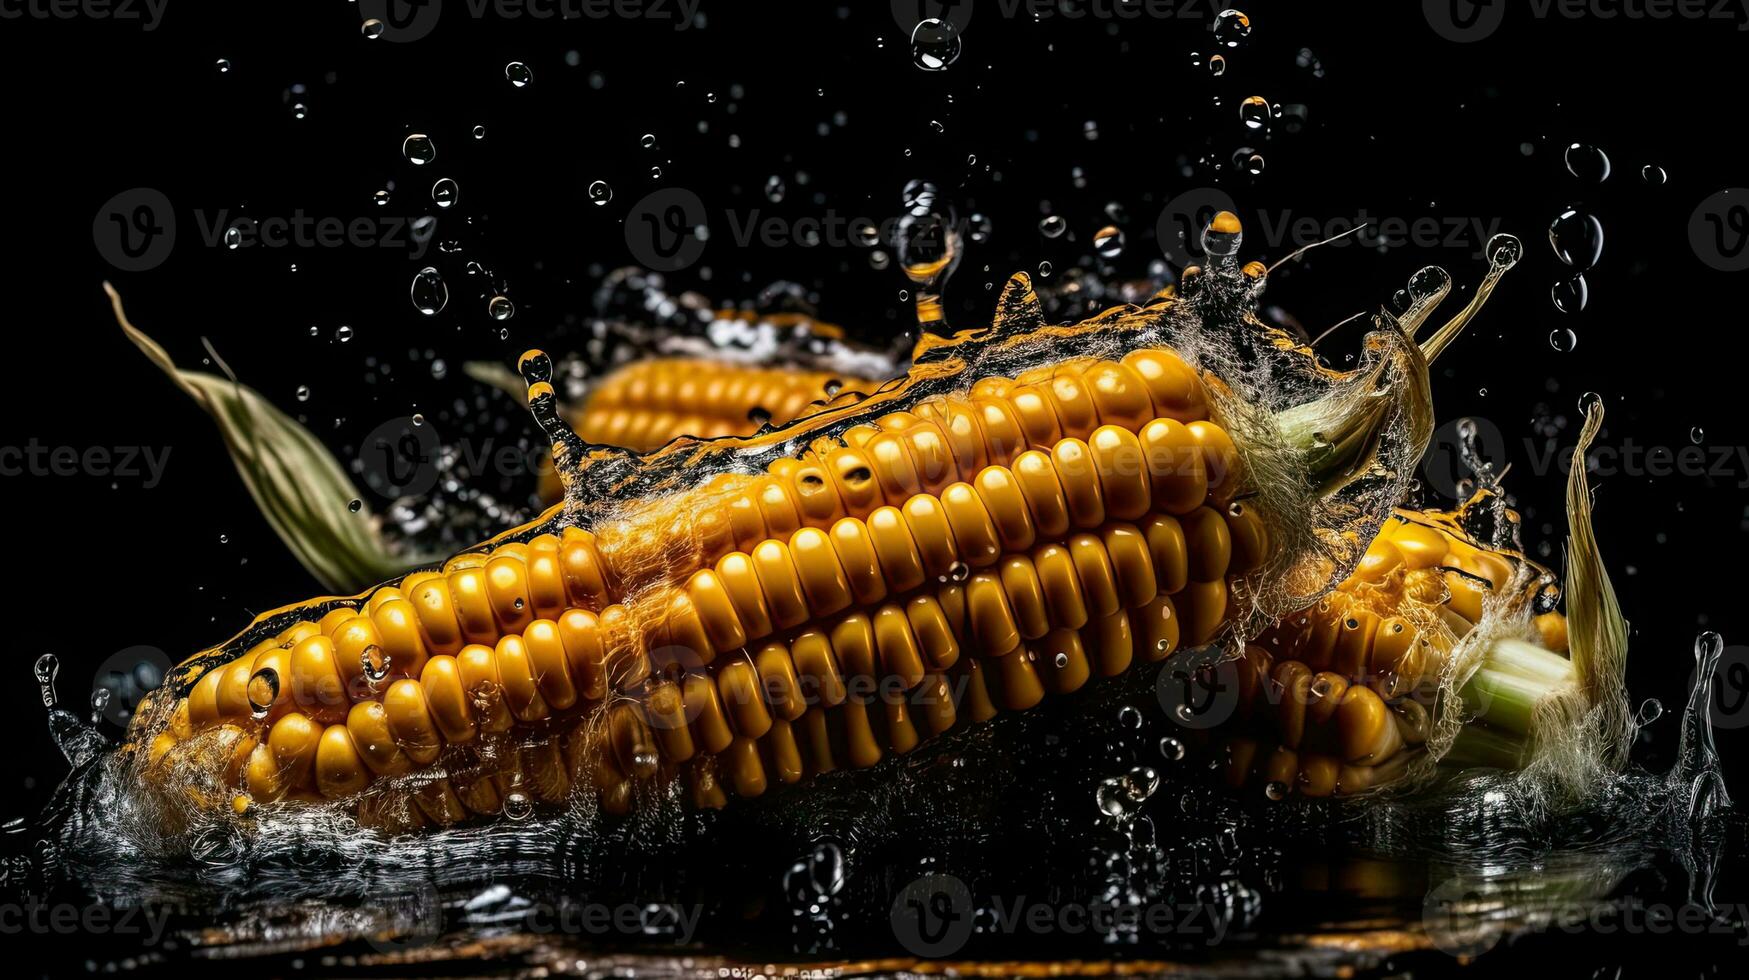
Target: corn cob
[[976, 548], [647, 403]]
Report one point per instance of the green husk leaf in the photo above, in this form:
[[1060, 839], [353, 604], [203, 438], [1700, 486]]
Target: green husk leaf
[[297, 483]]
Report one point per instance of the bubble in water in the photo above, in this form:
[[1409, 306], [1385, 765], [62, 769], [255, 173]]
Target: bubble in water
[[501, 308], [1504, 250], [355, 505], [1570, 295], [303, 393], [233, 237], [518, 806], [775, 189], [1577, 238], [1254, 112], [1108, 242], [262, 691], [1045, 269], [1430, 281], [445, 192], [430, 293], [959, 571], [600, 193], [1129, 716], [343, 334], [1696, 435], [381, 198], [935, 44], [372, 28], [1217, 65], [647, 141], [419, 149], [1587, 400], [978, 228], [375, 663], [1653, 174], [223, 65], [479, 132], [518, 74], [1588, 163], [1275, 791], [1052, 226], [1249, 162], [1231, 27], [1563, 339], [1651, 710], [1172, 749], [299, 110]]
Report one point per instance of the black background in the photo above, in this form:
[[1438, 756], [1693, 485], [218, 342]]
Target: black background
[[1401, 123]]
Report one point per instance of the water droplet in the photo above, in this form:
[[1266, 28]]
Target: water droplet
[[1217, 65], [1108, 242], [1045, 269], [1129, 716], [1275, 791], [479, 132], [233, 237], [1254, 112], [1651, 710], [1430, 281], [1504, 250], [303, 393], [518, 74], [1052, 226], [1588, 163], [1587, 400], [1653, 174], [430, 293], [375, 663], [419, 149], [935, 44], [978, 228], [775, 189], [1570, 295], [1696, 435], [1172, 749], [518, 806], [600, 193], [501, 308], [372, 28], [343, 334], [1577, 238], [1563, 339], [1249, 162], [223, 65], [355, 505], [445, 192], [299, 110], [1232, 27], [262, 691]]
